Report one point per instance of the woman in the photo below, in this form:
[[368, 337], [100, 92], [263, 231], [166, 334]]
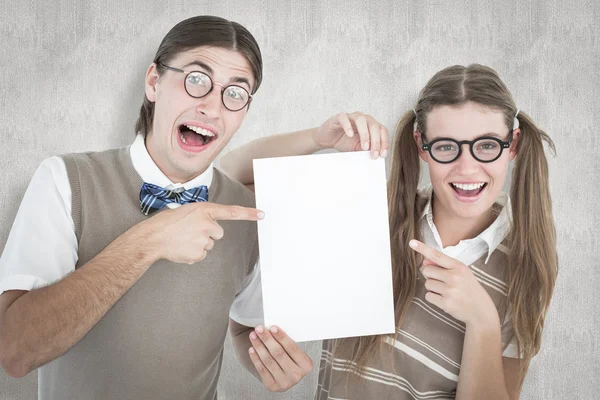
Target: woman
[[473, 269]]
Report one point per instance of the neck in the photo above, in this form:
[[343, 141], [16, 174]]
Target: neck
[[180, 179], [453, 229], [168, 170]]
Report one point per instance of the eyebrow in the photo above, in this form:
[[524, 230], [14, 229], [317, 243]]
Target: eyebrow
[[493, 134], [487, 134], [207, 68]]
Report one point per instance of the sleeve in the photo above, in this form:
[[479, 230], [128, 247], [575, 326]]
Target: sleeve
[[42, 246], [247, 307], [509, 340]]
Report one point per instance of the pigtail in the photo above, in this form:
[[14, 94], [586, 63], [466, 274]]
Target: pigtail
[[533, 260]]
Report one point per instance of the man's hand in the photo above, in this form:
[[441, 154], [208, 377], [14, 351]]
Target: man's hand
[[353, 132], [279, 361], [187, 233]]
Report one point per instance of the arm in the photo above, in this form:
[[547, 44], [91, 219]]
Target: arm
[[453, 288], [43, 324], [39, 326], [238, 163], [338, 132], [484, 373]]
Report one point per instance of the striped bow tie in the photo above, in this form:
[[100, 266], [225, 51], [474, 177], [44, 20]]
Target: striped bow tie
[[154, 198]]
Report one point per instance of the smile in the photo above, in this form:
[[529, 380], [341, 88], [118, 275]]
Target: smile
[[193, 138], [468, 191]]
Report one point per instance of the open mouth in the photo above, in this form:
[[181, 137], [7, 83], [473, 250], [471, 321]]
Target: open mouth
[[195, 136], [468, 189]]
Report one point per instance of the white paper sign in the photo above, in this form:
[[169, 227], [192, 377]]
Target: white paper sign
[[325, 245]]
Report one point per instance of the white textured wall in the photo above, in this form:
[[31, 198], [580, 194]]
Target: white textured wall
[[71, 79]]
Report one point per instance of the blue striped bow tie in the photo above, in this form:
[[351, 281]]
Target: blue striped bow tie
[[154, 198]]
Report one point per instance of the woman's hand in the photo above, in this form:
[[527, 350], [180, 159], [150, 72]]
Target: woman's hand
[[452, 287]]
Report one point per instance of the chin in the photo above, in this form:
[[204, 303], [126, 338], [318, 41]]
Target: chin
[[195, 165], [471, 211]]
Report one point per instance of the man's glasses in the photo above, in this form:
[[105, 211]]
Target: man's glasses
[[483, 149], [198, 84]]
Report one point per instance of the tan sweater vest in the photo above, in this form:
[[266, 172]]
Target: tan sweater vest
[[164, 338]]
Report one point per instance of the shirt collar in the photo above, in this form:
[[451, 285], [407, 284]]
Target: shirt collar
[[150, 173], [493, 235]]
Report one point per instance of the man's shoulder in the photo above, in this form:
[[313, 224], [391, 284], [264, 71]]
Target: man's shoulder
[[59, 167], [93, 156], [92, 163]]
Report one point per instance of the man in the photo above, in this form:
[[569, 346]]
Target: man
[[109, 298]]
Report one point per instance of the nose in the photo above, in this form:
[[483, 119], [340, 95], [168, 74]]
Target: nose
[[466, 164], [210, 105]]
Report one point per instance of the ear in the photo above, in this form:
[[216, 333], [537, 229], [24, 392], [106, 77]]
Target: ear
[[151, 82], [422, 153], [515, 144]]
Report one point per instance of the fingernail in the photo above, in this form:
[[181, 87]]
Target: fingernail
[[384, 153], [413, 244], [376, 154], [260, 215], [259, 329], [274, 329], [253, 336], [251, 350], [365, 145]]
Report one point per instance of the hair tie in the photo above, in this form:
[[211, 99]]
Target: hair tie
[[415, 123]]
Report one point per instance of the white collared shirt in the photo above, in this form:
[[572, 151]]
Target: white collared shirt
[[45, 225]]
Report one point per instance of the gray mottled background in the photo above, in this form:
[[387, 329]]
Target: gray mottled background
[[71, 79]]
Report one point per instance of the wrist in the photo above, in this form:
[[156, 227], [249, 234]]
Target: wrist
[[314, 144], [487, 324], [146, 242]]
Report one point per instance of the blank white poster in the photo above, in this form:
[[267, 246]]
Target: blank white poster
[[324, 245]]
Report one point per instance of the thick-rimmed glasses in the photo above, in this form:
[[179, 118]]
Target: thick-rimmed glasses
[[485, 149], [198, 84]]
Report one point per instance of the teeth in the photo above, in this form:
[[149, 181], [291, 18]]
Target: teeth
[[182, 138], [201, 131], [468, 186]]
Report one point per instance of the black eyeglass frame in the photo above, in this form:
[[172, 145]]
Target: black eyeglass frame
[[471, 143], [212, 85]]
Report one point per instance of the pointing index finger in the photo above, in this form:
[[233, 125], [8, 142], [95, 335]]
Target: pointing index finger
[[225, 212], [431, 254]]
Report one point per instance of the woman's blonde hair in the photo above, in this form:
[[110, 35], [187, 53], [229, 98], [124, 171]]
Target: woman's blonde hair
[[532, 261]]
